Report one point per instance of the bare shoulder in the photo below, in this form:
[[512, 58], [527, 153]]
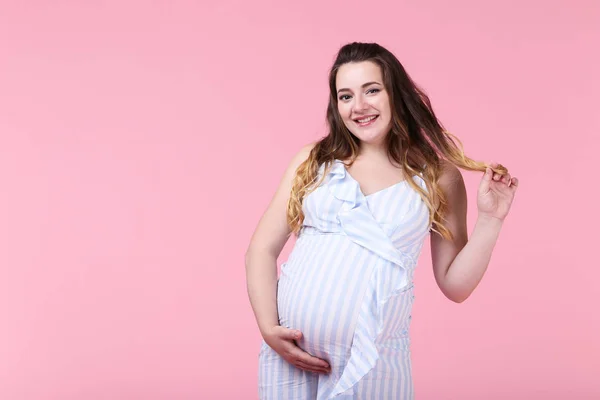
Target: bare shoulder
[[450, 176], [272, 230], [303, 153], [298, 158], [453, 185]]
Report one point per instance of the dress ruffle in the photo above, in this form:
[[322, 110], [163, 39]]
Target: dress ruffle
[[359, 224]]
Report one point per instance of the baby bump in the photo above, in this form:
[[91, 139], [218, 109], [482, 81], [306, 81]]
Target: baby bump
[[321, 297], [325, 320]]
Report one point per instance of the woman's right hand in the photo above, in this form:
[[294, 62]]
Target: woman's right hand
[[282, 340]]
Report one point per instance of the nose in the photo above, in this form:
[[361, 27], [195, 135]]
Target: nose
[[360, 104]]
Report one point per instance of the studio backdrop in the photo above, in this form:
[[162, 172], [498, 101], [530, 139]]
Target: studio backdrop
[[140, 143]]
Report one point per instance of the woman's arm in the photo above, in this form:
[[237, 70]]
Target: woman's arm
[[269, 238], [459, 264], [266, 244]]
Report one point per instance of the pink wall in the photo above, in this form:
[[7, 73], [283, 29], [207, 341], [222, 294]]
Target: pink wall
[[141, 141]]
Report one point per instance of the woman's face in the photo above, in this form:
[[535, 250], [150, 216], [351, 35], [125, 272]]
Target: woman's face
[[363, 102]]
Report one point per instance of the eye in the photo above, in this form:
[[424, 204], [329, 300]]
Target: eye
[[344, 97], [374, 90]]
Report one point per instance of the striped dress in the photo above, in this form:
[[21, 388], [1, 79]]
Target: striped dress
[[348, 287]]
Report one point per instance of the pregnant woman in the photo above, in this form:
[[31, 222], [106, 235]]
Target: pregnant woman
[[362, 201]]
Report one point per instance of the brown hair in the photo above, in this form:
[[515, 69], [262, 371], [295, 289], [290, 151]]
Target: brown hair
[[417, 140]]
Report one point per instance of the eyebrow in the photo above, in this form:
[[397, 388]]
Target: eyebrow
[[363, 86]]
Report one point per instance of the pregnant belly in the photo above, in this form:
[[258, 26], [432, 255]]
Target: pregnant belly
[[326, 324], [322, 297]]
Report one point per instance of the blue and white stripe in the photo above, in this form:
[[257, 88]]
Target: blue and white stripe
[[347, 286]]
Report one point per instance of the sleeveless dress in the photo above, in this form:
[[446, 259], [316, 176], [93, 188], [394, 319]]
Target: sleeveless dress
[[348, 287]]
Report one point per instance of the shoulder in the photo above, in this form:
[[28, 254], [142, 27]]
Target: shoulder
[[304, 152], [296, 160], [450, 176], [301, 155], [452, 184]]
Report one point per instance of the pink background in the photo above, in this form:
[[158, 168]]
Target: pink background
[[141, 141]]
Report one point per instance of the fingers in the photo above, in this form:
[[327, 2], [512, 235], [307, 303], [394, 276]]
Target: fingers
[[306, 362], [507, 179], [309, 368], [297, 356], [290, 334], [305, 358], [488, 175], [484, 185]]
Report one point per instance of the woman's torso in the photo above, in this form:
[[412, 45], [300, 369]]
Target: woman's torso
[[353, 250]]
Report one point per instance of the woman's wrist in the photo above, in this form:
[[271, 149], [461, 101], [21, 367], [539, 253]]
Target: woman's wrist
[[266, 328], [488, 220]]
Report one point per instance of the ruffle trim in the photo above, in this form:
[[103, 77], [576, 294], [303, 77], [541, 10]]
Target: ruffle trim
[[359, 224]]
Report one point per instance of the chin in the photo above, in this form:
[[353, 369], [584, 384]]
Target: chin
[[374, 135], [370, 137]]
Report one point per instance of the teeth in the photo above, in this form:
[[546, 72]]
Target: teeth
[[362, 121]]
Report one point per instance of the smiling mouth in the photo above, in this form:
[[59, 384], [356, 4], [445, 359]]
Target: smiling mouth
[[366, 120]]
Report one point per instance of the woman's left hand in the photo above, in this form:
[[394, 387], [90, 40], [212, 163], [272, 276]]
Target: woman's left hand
[[496, 193]]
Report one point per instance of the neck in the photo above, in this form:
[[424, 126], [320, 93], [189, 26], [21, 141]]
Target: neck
[[372, 152]]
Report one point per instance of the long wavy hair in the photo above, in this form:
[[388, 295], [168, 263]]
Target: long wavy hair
[[417, 141]]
